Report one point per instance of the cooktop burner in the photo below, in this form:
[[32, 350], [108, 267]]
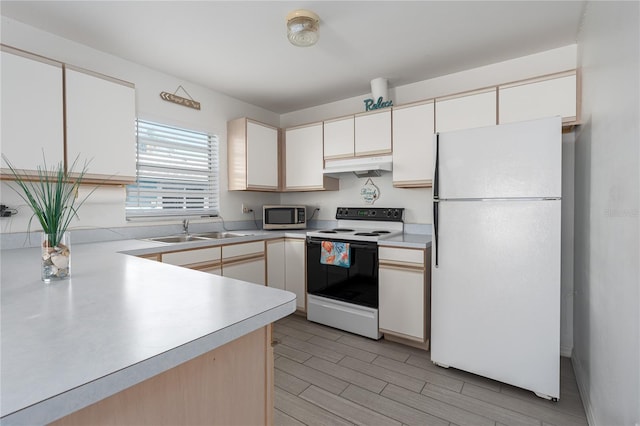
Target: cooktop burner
[[364, 224]]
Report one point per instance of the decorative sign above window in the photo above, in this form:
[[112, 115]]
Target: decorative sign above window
[[371, 105], [172, 97]]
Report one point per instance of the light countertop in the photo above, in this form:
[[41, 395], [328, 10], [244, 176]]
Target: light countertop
[[118, 321], [408, 241]]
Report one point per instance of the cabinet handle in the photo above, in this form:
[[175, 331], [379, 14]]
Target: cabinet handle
[[401, 266]]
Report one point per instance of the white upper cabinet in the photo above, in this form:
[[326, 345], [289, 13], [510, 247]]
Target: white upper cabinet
[[100, 114], [304, 160], [542, 98], [373, 133], [253, 152], [413, 145], [339, 138], [466, 111], [32, 111], [262, 156]]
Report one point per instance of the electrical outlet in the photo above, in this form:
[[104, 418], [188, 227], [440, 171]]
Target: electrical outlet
[[245, 209]]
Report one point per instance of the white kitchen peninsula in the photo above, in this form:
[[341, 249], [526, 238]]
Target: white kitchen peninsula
[[122, 322]]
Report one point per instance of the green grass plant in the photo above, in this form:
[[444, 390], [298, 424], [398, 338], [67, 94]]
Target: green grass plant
[[51, 194]]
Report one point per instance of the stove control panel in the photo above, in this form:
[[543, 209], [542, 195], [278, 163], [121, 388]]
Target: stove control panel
[[370, 213]]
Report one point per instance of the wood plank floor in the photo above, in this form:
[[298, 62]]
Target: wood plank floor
[[325, 376]]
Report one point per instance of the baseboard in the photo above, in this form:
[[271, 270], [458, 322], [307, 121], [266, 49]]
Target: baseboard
[[582, 388], [419, 345]]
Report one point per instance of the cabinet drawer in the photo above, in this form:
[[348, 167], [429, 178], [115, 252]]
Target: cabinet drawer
[[188, 257], [244, 249], [404, 256]]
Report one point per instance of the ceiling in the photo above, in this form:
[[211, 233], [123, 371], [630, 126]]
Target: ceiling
[[240, 48]]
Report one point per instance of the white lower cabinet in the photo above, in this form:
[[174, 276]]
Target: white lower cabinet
[[204, 259], [286, 268], [245, 262], [251, 270], [275, 264], [404, 289], [295, 270]]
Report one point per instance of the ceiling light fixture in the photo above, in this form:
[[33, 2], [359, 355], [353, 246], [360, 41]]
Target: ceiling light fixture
[[302, 28]]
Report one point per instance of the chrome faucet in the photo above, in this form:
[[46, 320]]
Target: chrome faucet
[[185, 226]]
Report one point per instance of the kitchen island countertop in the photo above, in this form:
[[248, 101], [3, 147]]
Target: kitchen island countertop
[[118, 321]]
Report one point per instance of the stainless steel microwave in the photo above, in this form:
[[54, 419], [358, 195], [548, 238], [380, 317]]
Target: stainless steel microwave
[[284, 217]]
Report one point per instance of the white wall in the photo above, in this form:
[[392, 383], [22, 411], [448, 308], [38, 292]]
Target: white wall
[[105, 208], [607, 191]]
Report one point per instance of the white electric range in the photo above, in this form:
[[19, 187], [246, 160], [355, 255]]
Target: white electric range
[[347, 297]]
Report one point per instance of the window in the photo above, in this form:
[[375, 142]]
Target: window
[[177, 173]]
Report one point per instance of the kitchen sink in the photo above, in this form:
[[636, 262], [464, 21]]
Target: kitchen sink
[[177, 239], [184, 238]]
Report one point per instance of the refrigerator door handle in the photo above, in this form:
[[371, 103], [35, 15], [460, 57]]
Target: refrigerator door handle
[[435, 231], [436, 177]]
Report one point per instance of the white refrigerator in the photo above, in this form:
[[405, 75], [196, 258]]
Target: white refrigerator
[[496, 253]]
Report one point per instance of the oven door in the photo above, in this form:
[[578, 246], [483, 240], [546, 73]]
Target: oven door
[[357, 284]]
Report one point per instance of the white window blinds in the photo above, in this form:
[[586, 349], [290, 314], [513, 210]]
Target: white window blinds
[[177, 173]]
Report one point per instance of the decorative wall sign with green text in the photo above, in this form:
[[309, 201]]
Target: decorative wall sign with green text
[[371, 105]]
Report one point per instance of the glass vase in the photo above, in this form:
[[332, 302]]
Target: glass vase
[[56, 257]]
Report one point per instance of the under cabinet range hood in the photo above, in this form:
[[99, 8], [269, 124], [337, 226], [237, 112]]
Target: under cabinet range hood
[[360, 166]]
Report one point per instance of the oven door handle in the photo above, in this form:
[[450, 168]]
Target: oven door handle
[[373, 246], [363, 246]]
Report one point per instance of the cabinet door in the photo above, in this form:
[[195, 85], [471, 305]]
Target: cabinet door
[[413, 146], [373, 133], [250, 270], [339, 138], [304, 158], [403, 292], [402, 301], [529, 101], [101, 125], [466, 112], [215, 270], [276, 264], [295, 276], [262, 156], [31, 112]]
